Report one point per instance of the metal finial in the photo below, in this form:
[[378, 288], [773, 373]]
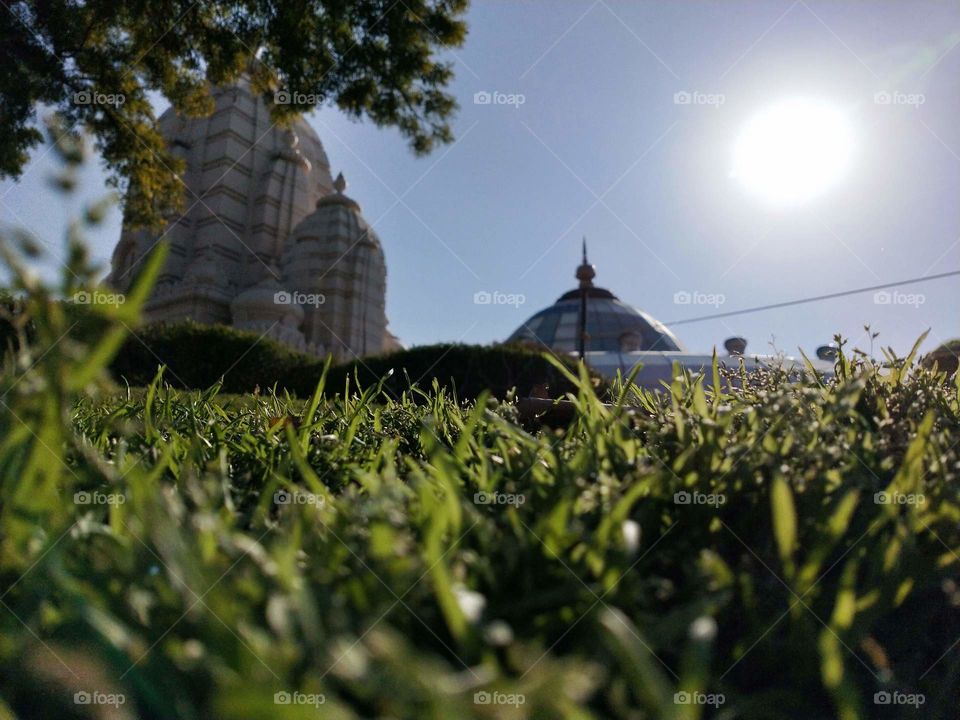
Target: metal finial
[[337, 197], [586, 272]]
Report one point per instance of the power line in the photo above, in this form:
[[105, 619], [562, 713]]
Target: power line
[[816, 298]]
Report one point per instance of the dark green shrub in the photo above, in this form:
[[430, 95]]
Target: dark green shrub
[[467, 370], [197, 356]]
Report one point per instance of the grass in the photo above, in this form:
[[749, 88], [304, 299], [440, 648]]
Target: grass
[[761, 549], [390, 585]]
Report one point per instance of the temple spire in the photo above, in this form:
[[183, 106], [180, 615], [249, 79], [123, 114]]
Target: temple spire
[[586, 272], [337, 197]]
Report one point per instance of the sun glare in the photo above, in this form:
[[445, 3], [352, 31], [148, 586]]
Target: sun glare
[[793, 151]]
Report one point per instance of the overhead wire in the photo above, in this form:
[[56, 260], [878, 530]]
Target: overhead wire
[[815, 298]]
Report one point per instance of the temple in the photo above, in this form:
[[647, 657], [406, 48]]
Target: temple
[[270, 243]]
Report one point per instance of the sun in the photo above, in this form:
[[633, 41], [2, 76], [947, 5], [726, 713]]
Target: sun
[[794, 151]]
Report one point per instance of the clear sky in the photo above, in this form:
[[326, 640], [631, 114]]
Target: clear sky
[[603, 146]]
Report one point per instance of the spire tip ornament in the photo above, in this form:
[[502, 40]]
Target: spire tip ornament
[[586, 272]]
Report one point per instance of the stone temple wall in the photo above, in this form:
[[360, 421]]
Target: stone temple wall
[[250, 187]]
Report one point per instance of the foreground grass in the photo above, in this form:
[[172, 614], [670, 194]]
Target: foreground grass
[[182, 555]]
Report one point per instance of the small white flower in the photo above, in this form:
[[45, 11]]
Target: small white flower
[[631, 535], [471, 603], [703, 629]]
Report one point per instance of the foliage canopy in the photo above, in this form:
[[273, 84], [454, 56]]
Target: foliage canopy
[[97, 62]]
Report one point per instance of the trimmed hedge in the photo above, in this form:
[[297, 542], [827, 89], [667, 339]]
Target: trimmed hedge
[[197, 356], [466, 369]]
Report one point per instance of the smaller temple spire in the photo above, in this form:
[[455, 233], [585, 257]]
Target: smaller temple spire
[[586, 272], [337, 197]]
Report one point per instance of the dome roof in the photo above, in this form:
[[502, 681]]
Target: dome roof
[[611, 325], [333, 253]]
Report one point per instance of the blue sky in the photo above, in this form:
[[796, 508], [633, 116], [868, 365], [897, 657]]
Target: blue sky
[[599, 147]]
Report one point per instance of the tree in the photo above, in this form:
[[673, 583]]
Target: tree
[[94, 63]]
